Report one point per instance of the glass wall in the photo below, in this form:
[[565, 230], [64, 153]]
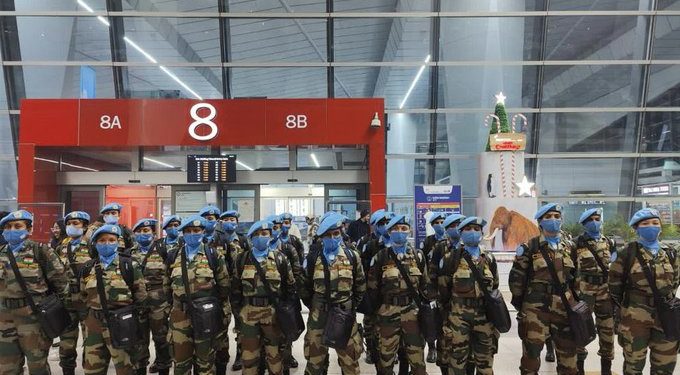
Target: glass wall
[[599, 81]]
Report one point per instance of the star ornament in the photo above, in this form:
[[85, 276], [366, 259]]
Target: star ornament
[[524, 186], [500, 98]]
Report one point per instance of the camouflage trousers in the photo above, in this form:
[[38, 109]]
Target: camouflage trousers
[[640, 330], [222, 353], [371, 336], [99, 351], [537, 323], [399, 326], [68, 341], [259, 330], [470, 338], [186, 351], [154, 325], [604, 322], [22, 341], [316, 353]]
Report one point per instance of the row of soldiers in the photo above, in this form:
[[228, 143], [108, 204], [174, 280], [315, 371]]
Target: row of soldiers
[[125, 287]]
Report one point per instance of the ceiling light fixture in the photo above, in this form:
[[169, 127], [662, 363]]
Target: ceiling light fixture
[[316, 162], [244, 165], [415, 81]]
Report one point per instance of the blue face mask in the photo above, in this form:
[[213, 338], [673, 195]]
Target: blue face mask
[[260, 245], [331, 246], [398, 239], [381, 230], [144, 239], [15, 238], [551, 225], [229, 227], [73, 231], [649, 238], [285, 229], [172, 232], [111, 219], [471, 238], [193, 240], [593, 228], [276, 233], [439, 229], [210, 226], [107, 252], [454, 235]]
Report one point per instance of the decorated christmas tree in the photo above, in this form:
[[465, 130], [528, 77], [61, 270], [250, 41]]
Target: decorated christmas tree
[[502, 116]]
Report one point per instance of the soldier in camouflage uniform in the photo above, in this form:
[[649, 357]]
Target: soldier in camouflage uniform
[[540, 310], [397, 321], [640, 327], [286, 237], [250, 298], [347, 287], [471, 336], [208, 276], [148, 254], [123, 286], [111, 215], [73, 253], [593, 287], [436, 221], [22, 340]]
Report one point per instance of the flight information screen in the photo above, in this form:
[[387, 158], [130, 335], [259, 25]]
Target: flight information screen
[[211, 168]]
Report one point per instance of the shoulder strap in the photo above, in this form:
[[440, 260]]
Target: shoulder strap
[[263, 278], [172, 256], [146, 257], [212, 258], [476, 274], [100, 288], [311, 261], [326, 279], [126, 269], [651, 279], [349, 253], [20, 279], [38, 253], [185, 276], [412, 290], [631, 251], [555, 279], [600, 264]]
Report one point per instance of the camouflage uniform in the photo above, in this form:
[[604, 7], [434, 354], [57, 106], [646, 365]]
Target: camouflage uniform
[[203, 283], [98, 348], [370, 245], [439, 252], [397, 316], [466, 328], [225, 251], [22, 336], [250, 298], [348, 285], [640, 328], [541, 313], [73, 256], [155, 324], [592, 286], [291, 253]]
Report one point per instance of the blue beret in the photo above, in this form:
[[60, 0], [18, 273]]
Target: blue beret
[[286, 216], [644, 214], [262, 224], [588, 213], [17, 215], [106, 229], [230, 213], [325, 215], [274, 219], [145, 223], [435, 216], [547, 208], [377, 216], [77, 215], [193, 221], [113, 206], [471, 220], [397, 219], [209, 210], [170, 219], [332, 221], [452, 219]]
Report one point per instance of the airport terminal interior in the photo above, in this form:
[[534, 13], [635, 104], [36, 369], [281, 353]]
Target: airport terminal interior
[[488, 108]]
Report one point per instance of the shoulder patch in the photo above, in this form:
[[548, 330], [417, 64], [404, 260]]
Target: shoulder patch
[[520, 251], [613, 257]]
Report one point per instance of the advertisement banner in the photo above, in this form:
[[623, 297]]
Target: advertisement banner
[[431, 198]]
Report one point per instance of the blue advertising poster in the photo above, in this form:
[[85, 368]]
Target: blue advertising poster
[[88, 82], [440, 198]]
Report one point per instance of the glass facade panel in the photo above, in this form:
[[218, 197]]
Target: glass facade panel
[[175, 82], [669, 4], [169, 158], [65, 81], [170, 6], [408, 133], [382, 6], [260, 158], [278, 82], [659, 177], [83, 159], [287, 40], [664, 86], [289, 6], [493, 5], [331, 158], [666, 35], [475, 86], [59, 5], [587, 176], [402, 87], [585, 5], [382, 39], [466, 133], [661, 132], [588, 132]]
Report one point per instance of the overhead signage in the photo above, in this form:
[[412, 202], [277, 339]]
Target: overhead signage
[[211, 168]]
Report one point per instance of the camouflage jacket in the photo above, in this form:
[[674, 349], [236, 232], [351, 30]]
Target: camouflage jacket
[[347, 279], [118, 293], [73, 257], [586, 263], [152, 264], [203, 281], [386, 281], [35, 262], [456, 279], [247, 282], [634, 288], [289, 251]]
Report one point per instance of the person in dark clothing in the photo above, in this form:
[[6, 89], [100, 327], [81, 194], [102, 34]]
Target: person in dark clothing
[[359, 227], [58, 233]]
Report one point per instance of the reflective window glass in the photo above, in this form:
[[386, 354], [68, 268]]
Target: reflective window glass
[[59, 5], [592, 176], [596, 37], [278, 82], [82, 159], [62, 38], [175, 82], [288, 6], [663, 89], [408, 133], [3, 93], [67, 82], [659, 177], [615, 216], [170, 5], [666, 35], [161, 39], [592, 86], [403, 174], [402, 87], [300, 40], [331, 158], [260, 158], [169, 158], [493, 5], [382, 39], [584, 5], [669, 4], [466, 133], [661, 132], [8, 166], [588, 132], [458, 171], [491, 38], [475, 86], [382, 6]]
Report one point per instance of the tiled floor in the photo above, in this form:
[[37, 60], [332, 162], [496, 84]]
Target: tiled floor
[[506, 361]]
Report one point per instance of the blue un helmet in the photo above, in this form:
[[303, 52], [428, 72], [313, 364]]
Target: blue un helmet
[[644, 214], [77, 215]]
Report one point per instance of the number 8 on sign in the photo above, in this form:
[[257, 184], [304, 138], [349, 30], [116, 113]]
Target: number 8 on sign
[[203, 121]]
